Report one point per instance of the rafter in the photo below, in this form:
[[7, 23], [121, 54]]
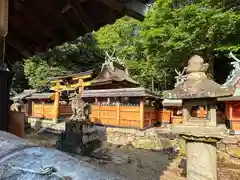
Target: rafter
[[14, 42], [81, 15], [48, 9], [32, 17], [115, 5], [17, 24]]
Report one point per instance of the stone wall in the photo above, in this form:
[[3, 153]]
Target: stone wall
[[231, 147], [162, 139], [151, 139]]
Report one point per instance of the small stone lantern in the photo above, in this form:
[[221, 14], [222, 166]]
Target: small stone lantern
[[201, 133]]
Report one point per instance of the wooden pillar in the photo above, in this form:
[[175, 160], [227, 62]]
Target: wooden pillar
[[201, 112], [42, 108], [5, 76], [56, 106], [142, 112], [96, 101], [227, 110], [29, 111], [3, 29], [118, 111], [230, 111], [81, 87]]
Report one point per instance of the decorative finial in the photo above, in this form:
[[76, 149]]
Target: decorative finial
[[236, 63], [180, 78], [236, 67]]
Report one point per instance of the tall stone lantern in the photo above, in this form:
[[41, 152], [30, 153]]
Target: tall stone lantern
[[201, 133]]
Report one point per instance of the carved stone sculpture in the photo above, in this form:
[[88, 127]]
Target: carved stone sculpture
[[17, 105], [196, 68], [77, 105], [196, 84]]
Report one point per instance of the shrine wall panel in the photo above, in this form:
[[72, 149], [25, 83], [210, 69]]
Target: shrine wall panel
[[164, 116], [236, 111], [121, 116]]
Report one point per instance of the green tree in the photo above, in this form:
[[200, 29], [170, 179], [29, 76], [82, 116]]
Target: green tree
[[79, 55], [173, 31], [19, 81], [120, 37]]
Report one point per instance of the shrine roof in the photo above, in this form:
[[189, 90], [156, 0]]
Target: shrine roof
[[122, 92], [172, 102], [231, 98], [114, 73], [40, 96], [24, 94], [37, 25], [80, 74], [110, 72]]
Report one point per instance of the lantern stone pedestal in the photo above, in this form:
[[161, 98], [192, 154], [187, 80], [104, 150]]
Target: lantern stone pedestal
[[201, 149], [201, 131]]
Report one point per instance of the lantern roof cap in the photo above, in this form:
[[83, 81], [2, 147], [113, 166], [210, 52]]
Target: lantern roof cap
[[196, 84]]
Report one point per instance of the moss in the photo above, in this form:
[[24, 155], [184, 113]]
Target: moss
[[157, 123], [182, 148], [234, 151]]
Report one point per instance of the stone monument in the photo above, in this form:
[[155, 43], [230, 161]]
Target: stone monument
[[80, 135], [201, 133]]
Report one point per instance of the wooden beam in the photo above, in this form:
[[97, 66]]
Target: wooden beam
[[32, 17], [7, 61], [115, 5], [118, 112], [56, 107], [2, 51], [13, 41], [142, 112], [48, 9], [81, 15], [16, 24], [3, 17]]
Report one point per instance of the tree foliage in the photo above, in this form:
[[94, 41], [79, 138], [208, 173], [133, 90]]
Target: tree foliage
[[172, 31], [77, 56], [19, 81]]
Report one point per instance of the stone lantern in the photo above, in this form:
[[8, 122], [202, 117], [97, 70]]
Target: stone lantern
[[201, 133]]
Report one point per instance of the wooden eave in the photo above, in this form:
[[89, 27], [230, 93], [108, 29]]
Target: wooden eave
[[37, 25], [122, 92], [40, 96], [81, 75], [24, 94]]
